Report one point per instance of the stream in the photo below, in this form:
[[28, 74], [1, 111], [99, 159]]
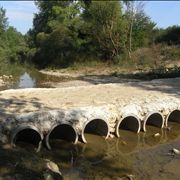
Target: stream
[[34, 79], [143, 156]]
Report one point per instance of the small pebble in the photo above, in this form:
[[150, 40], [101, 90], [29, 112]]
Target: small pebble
[[156, 135]]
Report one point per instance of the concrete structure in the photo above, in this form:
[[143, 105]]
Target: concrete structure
[[72, 124], [173, 115], [153, 118]]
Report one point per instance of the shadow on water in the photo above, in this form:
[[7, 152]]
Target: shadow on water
[[97, 159]]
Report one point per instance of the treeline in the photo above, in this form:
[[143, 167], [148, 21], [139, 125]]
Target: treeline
[[68, 32], [13, 46], [65, 32], [170, 35]]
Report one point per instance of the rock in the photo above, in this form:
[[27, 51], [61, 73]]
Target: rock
[[127, 177], [176, 151], [50, 165], [111, 136], [156, 135], [5, 77]]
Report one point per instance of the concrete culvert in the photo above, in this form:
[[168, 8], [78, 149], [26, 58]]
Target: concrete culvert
[[153, 119], [173, 116], [129, 122], [63, 132], [96, 126], [27, 134]]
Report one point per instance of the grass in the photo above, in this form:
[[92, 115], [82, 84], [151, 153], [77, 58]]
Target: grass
[[171, 52]]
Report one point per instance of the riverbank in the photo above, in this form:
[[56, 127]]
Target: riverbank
[[5, 80], [112, 74]]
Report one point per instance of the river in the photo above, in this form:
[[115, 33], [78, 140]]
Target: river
[[140, 156]]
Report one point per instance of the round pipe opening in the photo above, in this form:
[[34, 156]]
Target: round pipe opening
[[130, 122], [154, 119], [174, 116], [62, 132], [97, 127], [29, 135]]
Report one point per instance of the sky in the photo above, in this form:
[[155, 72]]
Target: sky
[[20, 13]]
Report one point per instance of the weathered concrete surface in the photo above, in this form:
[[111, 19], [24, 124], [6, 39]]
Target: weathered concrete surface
[[107, 120], [45, 121], [111, 106], [28, 100]]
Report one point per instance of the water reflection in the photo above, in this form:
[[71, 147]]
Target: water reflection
[[98, 158], [128, 141], [26, 81], [35, 79], [98, 155], [112, 158]]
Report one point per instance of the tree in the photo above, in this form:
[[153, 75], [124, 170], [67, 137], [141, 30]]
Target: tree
[[104, 21], [57, 35], [46, 14], [87, 29], [143, 31], [170, 35], [3, 20], [139, 26]]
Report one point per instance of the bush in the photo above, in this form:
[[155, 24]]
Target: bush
[[171, 52], [170, 36]]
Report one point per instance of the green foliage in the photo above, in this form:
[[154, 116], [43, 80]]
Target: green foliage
[[57, 48], [3, 20], [170, 35], [143, 30], [65, 32], [104, 19], [56, 45], [140, 28], [12, 46]]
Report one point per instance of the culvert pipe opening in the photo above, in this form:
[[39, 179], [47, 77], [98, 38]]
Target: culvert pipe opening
[[174, 116], [131, 123], [153, 119], [97, 127], [62, 132], [27, 135]]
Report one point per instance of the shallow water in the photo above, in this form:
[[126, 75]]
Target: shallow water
[[100, 159], [34, 79], [142, 155]]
